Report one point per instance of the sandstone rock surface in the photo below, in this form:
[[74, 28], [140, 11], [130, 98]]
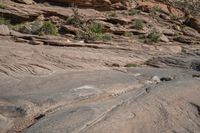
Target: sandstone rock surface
[[82, 70], [98, 4], [25, 1]]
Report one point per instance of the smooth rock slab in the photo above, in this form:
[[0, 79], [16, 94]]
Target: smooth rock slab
[[4, 30]]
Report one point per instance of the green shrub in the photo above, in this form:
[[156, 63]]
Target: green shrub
[[138, 24], [154, 11], [124, 13], [93, 36], [112, 14], [4, 21], [154, 36], [73, 21], [157, 8], [48, 28], [173, 17], [94, 32], [2, 6], [133, 12], [18, 27], [96, 28], [128, 34]]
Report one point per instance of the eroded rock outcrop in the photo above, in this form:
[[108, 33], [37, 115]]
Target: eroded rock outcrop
[[194, 23], [98, 4], [25, 1]]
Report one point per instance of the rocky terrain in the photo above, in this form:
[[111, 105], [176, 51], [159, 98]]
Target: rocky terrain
[[99, 66]]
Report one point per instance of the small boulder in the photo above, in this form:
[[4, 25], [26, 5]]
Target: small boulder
[[4, 30], [164, 16], [156, 79], [119, 6], [35, 42], [117, 20], [163, 38], [184, 39], [71, 29], [168, 32], [31, 27], [190, 32]]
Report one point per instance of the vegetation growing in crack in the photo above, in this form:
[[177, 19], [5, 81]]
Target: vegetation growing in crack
[[96, 28], [173, 17], [112, 14], [128, 34], [95, 32], [157, 9], [2, 6], [4, 21], [138, 24], [153, 36], [72, 21], [90, 30], [133, 12], [154, 11], [48, 28], [75, 19]]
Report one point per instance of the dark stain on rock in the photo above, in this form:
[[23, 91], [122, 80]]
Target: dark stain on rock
[[12, 111]]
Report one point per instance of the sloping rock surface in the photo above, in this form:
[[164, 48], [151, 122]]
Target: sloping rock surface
[[141, 75]]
